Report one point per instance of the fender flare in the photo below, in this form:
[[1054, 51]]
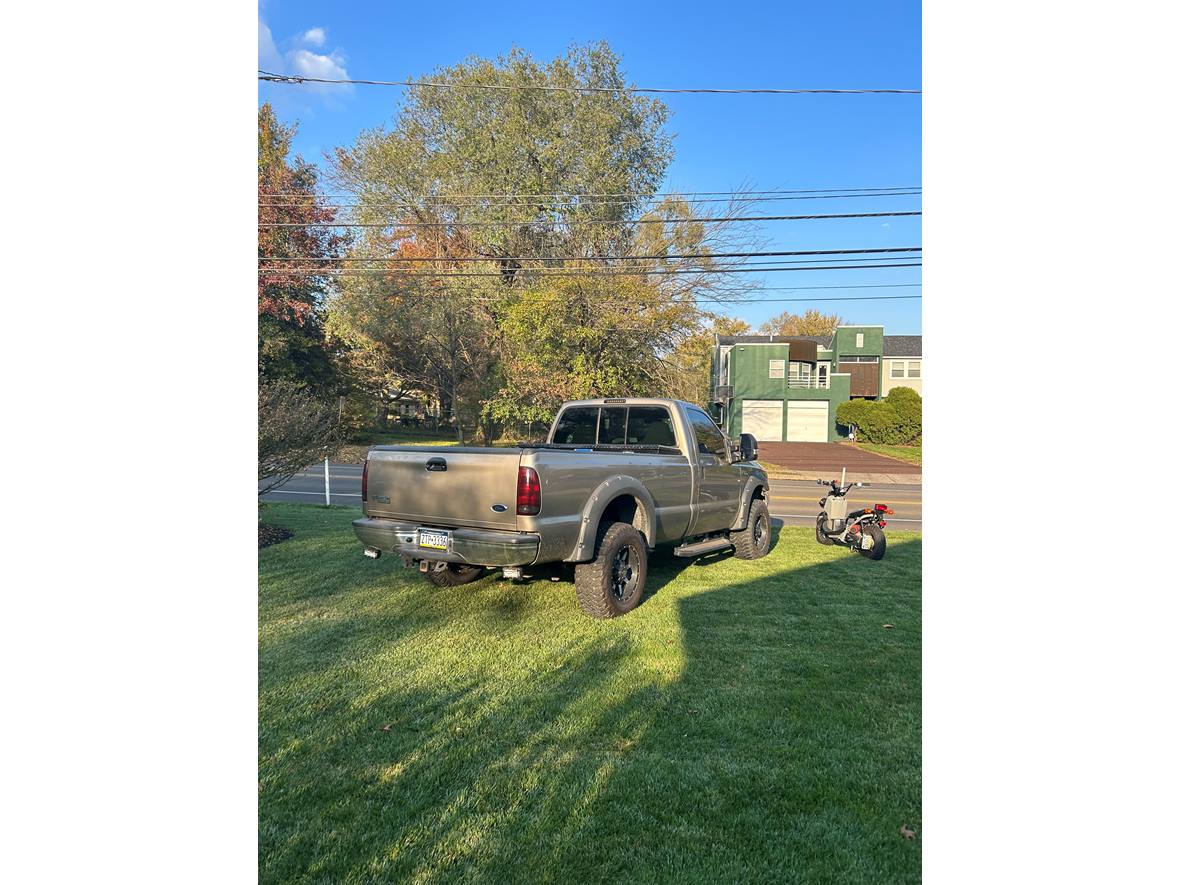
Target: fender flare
[[753, 483], [608, 490]]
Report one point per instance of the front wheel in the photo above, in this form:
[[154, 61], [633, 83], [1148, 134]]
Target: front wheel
[[819, 531], [612, 583], [876, 550], [753, 542]]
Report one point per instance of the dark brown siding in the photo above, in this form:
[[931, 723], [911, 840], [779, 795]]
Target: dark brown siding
[[802, 350], [864, 378]]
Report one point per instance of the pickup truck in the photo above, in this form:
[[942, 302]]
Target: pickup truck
[[614, 478]]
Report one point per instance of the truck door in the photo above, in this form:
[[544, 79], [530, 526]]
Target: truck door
[[720, 485]]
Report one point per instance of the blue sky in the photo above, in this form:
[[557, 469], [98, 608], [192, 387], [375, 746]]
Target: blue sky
[[722, 141]]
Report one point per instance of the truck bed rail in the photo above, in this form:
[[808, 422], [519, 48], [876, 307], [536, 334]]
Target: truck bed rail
[[637, 448]]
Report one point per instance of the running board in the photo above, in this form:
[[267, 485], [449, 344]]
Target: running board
[[709, 545]]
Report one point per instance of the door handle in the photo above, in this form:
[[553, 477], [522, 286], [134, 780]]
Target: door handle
[[435, 464]]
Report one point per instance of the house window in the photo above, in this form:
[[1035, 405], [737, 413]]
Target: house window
[[897, 369], [777, 368], [915, 369], [860, 339]]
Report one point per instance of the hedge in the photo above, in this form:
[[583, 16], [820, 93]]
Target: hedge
[[895, 420]]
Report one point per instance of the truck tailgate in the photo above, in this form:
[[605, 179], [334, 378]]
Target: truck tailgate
[[466, 487]]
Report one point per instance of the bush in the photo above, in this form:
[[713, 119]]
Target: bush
[[908, 406], [895, 420], [294, 430]]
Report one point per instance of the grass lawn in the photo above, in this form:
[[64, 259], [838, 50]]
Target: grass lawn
[[749, 721], [912, 454]]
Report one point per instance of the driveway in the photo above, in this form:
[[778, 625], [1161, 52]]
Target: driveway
[[828, 458]]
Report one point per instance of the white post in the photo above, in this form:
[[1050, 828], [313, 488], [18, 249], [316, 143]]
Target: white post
[[842, 470], [327, 486]]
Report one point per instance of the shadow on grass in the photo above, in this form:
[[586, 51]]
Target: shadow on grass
[[751, 721]]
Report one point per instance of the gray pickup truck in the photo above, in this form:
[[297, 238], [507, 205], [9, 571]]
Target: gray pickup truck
[[615, 478]]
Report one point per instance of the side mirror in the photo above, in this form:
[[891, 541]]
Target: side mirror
[[748, 446]]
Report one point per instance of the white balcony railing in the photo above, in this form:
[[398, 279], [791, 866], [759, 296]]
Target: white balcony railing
[[811, 382]]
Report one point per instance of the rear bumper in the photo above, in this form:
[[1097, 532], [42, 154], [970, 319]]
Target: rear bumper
[[468, 546]]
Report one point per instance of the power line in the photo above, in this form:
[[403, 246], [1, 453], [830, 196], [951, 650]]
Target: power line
[[656, 257], [586, 221], [831, 190], [869, 286], [314, 271], [282, 78], [588, 203]]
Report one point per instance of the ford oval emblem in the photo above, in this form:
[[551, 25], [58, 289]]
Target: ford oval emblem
[[499, 508]]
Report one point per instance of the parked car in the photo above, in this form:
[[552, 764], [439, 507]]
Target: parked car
[[614, 478]]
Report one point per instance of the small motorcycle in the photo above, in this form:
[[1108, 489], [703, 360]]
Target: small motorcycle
[[860, 530]]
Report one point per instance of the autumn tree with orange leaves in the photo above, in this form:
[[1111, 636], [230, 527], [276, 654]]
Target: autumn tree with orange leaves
[[292, 283]]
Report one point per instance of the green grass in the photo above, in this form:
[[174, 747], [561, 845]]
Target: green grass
[[911, 454], [407, 436], [750, 721]]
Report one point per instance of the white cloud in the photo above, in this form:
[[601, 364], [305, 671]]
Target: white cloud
[[313, 37], [309, 64], [301, 62], [268, 54]]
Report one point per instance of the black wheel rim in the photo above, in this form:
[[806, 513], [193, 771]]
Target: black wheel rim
[[760, 532], [624, 573]]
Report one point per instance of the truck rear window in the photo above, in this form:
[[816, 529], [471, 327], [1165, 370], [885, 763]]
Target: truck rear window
[[650, 425], [618, 425], [577, 426]]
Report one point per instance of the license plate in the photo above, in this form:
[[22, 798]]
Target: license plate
[[433, 540]]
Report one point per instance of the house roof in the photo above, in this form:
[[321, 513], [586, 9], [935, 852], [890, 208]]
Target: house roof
[[902, 345], [821, 340]]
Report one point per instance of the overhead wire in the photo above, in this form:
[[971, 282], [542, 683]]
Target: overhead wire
[[580, 204], [620, 194], [314, 271], [433, 84], [650, 257], [588, 221]]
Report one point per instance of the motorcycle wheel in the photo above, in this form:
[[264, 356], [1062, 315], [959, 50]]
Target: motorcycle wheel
[[819, 532], [877, 551]]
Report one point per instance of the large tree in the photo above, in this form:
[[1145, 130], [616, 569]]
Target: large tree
[[812, 322], [540, 190], [292, 284], [688, 370]]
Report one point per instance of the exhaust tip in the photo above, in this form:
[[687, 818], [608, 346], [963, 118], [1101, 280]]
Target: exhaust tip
[[372, 553]]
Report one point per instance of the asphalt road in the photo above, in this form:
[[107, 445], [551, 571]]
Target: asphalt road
[[795, 502]]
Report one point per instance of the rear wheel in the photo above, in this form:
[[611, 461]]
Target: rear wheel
[[877, 549], [754, 541], [612, 583], [454, 575]]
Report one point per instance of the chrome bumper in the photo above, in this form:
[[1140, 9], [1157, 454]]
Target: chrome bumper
[[468, 546]]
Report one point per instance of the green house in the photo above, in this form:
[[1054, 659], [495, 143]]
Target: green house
[[786, 388]]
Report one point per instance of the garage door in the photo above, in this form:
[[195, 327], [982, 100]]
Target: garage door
[[807, 421], [764, 419]]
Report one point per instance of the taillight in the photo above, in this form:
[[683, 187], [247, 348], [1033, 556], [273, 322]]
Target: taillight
[[365, 483], [880, 507], [882, 523], [528, 492]]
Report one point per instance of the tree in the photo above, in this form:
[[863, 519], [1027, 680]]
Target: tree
[[690, 365], [291, 287], [812, 322], [294, 430], [558, 311]]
